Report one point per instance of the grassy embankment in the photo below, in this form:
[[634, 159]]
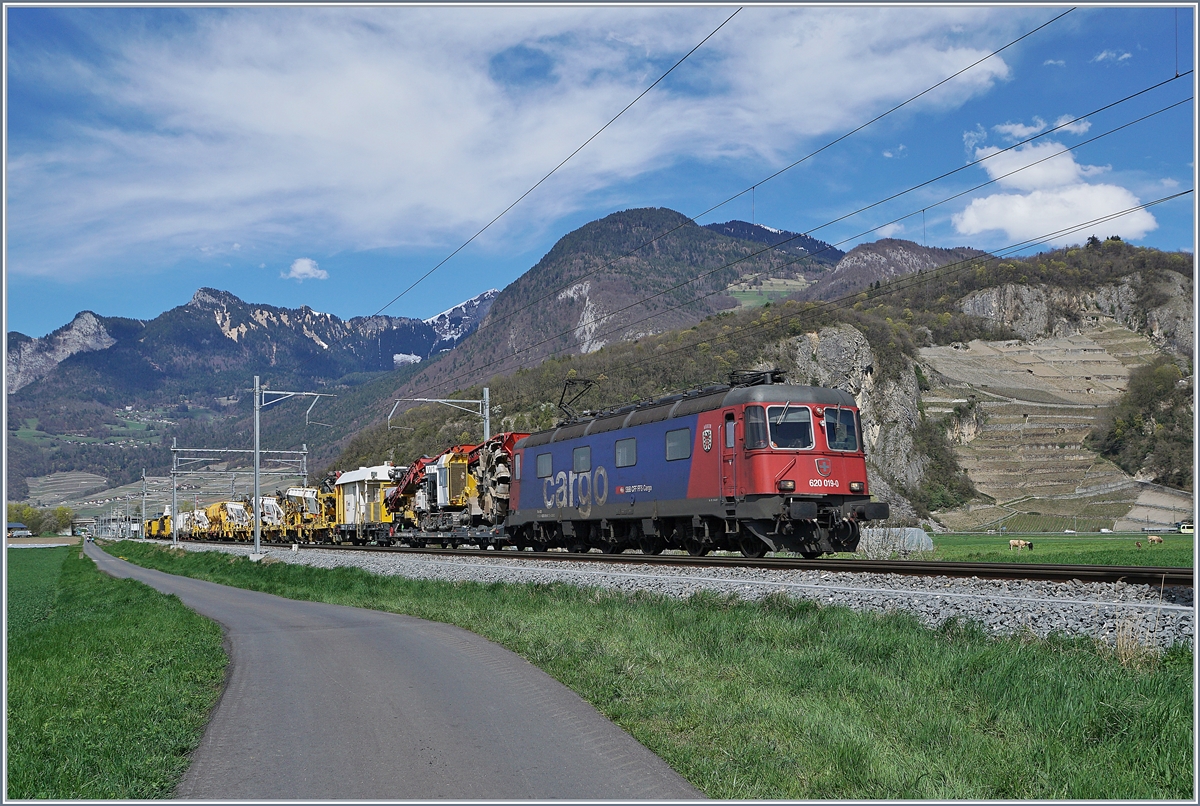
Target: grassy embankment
[[1176, 551], [109, 682], [787, 699]]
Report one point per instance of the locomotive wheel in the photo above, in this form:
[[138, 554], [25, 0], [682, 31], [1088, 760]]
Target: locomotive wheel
[[810, 555], [695, 547], [612, 548], [577, 546], [650, 545], [751, 546]]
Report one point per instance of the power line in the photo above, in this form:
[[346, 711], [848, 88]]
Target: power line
[[850, 238], [778, 173], [845, 240], [561, 164]]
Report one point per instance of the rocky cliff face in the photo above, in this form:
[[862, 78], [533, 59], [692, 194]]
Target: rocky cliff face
[[840, 357], [1036, 312], [27, 360]]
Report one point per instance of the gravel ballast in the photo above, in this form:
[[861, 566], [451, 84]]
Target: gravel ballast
[[1002, 607]]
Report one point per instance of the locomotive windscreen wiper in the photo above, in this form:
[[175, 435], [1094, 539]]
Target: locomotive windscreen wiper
[[783, 413]]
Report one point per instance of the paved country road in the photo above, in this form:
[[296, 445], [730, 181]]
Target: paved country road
[[328, 702]]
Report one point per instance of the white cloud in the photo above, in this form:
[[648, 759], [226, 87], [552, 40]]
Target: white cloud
[[973, 137], [890, 230], [1054, 62], [1056, 197], [1036, 214], [1033, 166], [1019, 131], [1078, 127], [304, 268], [397, 128], [1111, 56], [895, 153]]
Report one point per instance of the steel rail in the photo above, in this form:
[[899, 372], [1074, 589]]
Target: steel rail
[[1132, 575]]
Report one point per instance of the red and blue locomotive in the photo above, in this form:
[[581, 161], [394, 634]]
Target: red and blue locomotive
[[755, 465]]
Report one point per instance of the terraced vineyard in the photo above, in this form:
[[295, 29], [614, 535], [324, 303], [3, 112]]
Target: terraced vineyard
[[1024, 409]]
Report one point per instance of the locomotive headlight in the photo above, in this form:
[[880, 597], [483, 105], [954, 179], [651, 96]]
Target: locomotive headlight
[[787, 486], [856, 486]]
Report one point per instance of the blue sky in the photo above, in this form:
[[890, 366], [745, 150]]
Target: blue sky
[[330, 156]]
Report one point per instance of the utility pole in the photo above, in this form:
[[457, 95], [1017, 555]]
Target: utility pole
[[482, 408], [260, 402], [142, 524], [254, 503], [174, 496]]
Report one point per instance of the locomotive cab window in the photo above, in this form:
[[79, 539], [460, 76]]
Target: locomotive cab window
[[730, 429], [841, 429], [545, 465], [581, 459], [679, 444], [626, 452], [756, 428], [790, 426], [517, 466]]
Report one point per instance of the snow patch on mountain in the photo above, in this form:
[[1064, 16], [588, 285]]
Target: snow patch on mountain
[[455, 324]]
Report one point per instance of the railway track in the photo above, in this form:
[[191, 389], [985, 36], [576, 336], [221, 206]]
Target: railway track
[[1133, 575]]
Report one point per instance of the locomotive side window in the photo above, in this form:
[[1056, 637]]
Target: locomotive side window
[[545, 467], [841, 431], [756, 428], [730, 429], [626, 452], [679, 444], [581, 459], [517, 466], [790, 426]]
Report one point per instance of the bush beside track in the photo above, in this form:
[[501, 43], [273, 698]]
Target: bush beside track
[[110, 683], [788, 699]]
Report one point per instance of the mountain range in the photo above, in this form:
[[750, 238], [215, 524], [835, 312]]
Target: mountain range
[[217, 333], [106, 394], [77, 395]]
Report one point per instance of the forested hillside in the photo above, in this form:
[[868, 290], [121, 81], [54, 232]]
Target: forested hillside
[[1149, 434]]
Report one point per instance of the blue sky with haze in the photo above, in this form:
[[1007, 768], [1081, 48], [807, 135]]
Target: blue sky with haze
[[330, 156]]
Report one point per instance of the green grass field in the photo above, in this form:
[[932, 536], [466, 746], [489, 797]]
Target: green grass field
[[33, 576], [768, 290], [1176, 551], [109, 682], [785, 699]]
